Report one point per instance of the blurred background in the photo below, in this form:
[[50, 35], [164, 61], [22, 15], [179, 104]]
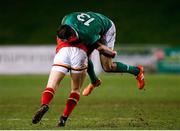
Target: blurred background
[[148, 31]]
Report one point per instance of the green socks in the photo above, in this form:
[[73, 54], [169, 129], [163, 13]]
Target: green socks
[[91, 72], [123, 68]]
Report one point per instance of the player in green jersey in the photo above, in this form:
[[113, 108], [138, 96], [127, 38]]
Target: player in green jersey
[[89, 26], [92, 27]]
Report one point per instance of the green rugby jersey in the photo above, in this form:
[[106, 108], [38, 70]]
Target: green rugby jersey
[[89, 25]]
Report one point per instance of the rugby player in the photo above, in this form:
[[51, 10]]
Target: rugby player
[[103, 29], [71, 55]]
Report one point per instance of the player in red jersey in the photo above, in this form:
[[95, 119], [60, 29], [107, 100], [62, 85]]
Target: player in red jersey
[[71, 55]]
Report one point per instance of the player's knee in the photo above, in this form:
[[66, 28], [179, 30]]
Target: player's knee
[[109, 68]]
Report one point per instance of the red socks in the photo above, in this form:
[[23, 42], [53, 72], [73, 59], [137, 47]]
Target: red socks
[[47, 96], [71, 103]]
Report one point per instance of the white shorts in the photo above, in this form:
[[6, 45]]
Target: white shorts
[[110, 36], [95, 57], [70, 58]]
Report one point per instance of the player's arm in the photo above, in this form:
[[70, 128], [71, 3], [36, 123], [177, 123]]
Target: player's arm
[[105, 50]]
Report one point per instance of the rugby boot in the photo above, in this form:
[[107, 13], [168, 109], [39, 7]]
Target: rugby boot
[[140, 77], [39, 114], [90, 88], [62, 121]]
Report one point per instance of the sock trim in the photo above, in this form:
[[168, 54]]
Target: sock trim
[[50, 88], [73, 99], [47, 91]]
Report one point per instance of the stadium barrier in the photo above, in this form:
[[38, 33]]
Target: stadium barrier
[[169, 60], [26, 59], [39, 59]]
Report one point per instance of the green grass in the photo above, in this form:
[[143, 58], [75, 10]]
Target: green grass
[[117, 104]]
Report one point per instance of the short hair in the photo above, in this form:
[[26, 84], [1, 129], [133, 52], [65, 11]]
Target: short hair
[[64, 32]]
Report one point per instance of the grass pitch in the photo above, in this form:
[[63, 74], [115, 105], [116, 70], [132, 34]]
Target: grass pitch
[[117, 104]]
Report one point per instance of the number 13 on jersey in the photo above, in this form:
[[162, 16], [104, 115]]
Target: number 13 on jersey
[[85, 18]]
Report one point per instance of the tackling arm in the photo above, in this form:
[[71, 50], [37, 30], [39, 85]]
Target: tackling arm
[[105, 50]]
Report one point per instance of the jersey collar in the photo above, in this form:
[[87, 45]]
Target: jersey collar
[[75, 32]]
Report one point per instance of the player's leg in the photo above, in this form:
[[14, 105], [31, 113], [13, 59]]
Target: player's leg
[[95, 81], [91, 72], [56, 75], [110, 66], [120, 67], [78, 72], [77, 80], [54, 79], [106, 63]]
